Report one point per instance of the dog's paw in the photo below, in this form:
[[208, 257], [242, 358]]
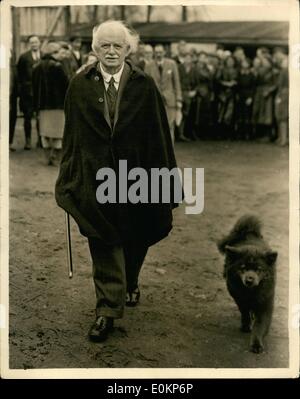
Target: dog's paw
[[256, 346]]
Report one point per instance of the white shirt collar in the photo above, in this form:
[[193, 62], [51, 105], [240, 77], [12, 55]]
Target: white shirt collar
[[107, 76], [35, 54]]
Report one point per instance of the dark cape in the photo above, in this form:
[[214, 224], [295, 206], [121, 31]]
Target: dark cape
[[141, 136]]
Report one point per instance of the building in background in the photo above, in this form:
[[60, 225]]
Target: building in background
[[202, 27]]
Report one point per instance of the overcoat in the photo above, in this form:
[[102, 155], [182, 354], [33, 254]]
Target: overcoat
[[263, 104], [227, 95], [50, 83], [75, 63], [168, 83], [140, 135], [26, 65], [282, 96]]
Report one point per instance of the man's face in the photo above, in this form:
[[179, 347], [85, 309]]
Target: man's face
[[239, 54], [148, 53], [188, 59], [265, 62], [112, 48], [76, 44], [229, 62], [182, 49], [202, 58], [159, 53], [256, 62], [34, 43], [278, 56]]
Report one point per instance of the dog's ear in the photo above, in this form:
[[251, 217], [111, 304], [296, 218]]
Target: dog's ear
[[229, 250], [271, 257]]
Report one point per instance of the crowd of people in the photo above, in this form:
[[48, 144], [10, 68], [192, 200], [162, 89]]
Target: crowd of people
[[220, 95], [40, 79], [224, 94]]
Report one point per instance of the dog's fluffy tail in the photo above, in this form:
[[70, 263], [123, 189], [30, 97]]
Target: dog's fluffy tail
[[247, 224]]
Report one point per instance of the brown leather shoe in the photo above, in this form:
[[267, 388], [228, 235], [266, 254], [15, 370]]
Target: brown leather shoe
[[101, 328]]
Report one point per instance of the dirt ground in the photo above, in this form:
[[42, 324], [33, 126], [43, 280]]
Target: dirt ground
[[186, 318]]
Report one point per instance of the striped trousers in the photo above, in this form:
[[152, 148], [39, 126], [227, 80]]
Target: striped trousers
[[115, 271]]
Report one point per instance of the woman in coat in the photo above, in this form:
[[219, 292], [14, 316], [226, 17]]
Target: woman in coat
[[50, 84], [188, 81], [282, 104], [202, 115], [245, 95], [227, 79], [263, 105]]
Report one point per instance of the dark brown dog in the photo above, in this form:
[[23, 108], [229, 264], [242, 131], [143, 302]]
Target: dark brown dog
[[250, 275]]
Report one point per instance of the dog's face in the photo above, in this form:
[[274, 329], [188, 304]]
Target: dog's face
[[252, 274], [252, 266]]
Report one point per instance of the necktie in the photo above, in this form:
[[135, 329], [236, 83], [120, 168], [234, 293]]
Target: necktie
[[111, 97], [160, 68]]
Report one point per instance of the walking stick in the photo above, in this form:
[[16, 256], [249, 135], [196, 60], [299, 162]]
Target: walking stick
[[69, 247]]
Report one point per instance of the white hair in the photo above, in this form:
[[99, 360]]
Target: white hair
[[148, 47], [131, 37]]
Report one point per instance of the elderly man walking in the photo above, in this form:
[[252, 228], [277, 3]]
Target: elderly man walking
[[114, 112], [164, 71]]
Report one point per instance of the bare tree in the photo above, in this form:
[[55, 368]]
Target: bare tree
[[67, 19], [123, 12], [184, 14], [89, 11], [16, 31], [105, 13], [95, 13], [149, 11]]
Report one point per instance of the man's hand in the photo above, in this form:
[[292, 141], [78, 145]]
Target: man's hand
[[178, 104]]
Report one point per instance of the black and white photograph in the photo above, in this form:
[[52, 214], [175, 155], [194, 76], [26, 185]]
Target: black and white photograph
[[149, 189]]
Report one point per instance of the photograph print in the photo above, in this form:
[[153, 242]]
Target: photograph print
[[146, 152]]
